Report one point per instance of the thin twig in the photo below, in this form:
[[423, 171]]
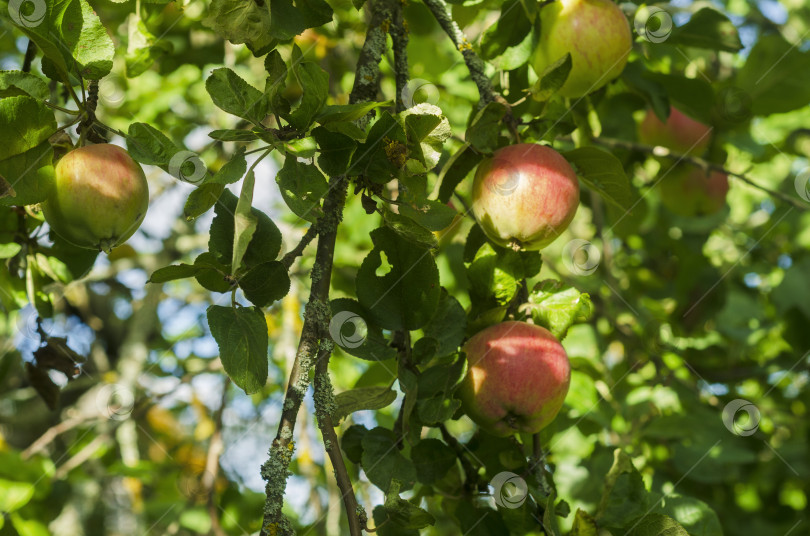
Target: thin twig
[[290, 256], [30, 54], [699, 162], [475, 65], [472, 483]]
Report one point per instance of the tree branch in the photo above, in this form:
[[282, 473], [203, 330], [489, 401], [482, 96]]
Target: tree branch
[[367, 75], [475, 64], [315, 329], [324, 408], [30, 54], [399, 36], [699, 162], [290, 256]]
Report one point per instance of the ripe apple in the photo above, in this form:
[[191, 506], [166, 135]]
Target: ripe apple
[[517, 378], [99, 199], [525, 196], [597, 35], [681, 134], [689, 191]]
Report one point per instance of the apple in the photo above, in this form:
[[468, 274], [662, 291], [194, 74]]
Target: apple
[[681, 134], [524, 196], [99, 199], [597, 35], [688, 191], [517, 378]]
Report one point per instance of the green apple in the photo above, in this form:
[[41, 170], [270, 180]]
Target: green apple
[[525, 195], [517, 378], [596, 34], [99, 199], [689, 191], [680, 134]]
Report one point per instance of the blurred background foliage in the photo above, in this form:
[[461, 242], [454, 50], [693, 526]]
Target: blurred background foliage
[[690, 313]]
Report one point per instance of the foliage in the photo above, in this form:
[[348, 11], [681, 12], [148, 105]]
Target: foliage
[[141, 390]]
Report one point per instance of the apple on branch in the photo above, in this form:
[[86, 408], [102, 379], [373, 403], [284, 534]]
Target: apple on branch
[[689, 191], [525, 196], [680, 134], [99, 199], [517, 379], [596, 34]]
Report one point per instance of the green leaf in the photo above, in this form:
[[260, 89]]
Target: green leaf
[[361, 399], [383, 462], [265, 283], [30, 175], [241, 22], [455, 170], [142, 47], [775, 76], [511, 29], [19, 83], [335, 151], [9, 250], [289, 21], [429, 213], [426, 130], [314, 82], [696, 516], [382, 156], [405, 514], [245, 223], [485, 127], [26, 124], [708, 28], [302, 188], [70, 34], [351, 329], [448, 325], [552, 79], [624, 497], [14, 495], [432, 459], [212, 274], [603, 173], [406, 295], [409, 229], [235, 96], [352, 442], [557, 306], [550, 524], [233, 135], [202, 199], [171, 273], [275, 83], [233, 170], [584, 525], [348, 112], [150, 146], [656, 525], [497, 272], [263, 247], [241, 334]]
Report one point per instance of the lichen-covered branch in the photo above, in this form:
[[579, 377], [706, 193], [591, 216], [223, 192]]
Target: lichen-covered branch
[[475, 64], [699, 162], [367, 75], [399, 37], [324, 408], [316, 329]]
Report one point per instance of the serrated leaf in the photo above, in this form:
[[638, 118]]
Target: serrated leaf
[[403, 513], [552, 79], [774, 76], [148, 145], [19, 83], [426, 130], [245, 223], [348, 112], [314, 82], [432, 459], [383, 462], [265, 283], [241, 22], [233, 135], [656, 525], [263, 247], [456, 169], [202, 199], [29, 176], [174, 272], [708, 28], [364, 398], [409, 229], [407, 294], [235, 96], [26, 124], [557, 306], [302, 187], [603, 173], [485, 127], [241, 334], [335, 151]]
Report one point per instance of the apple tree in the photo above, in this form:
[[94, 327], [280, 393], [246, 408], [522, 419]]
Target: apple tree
[[428, 267]]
